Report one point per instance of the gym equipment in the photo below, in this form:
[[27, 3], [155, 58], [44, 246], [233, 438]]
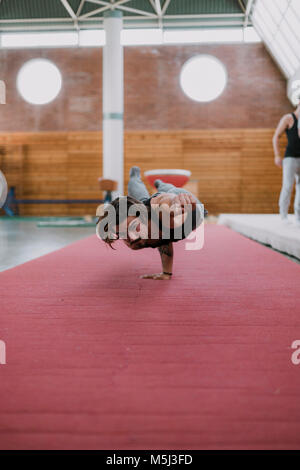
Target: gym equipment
[[176, 177], [11, 206], [108, 186]]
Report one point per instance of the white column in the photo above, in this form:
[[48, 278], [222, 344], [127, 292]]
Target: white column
[[113, 99]]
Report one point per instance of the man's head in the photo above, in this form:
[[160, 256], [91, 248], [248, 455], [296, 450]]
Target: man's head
[[128, 219]]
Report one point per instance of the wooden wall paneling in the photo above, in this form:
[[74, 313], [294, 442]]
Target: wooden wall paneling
[[152, 150], [12, 163], [215, 161], [84, 169], [234, 167], [45, 176]]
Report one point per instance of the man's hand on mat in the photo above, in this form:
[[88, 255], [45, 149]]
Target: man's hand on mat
[[157, 276], [278, 161]]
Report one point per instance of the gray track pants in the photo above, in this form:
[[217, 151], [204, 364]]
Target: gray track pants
[[290, 173], [138, 190]]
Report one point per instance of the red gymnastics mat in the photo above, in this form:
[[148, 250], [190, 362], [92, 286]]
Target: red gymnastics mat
[[100, 359]]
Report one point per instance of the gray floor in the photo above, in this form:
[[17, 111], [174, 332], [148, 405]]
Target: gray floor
[[21, 240]]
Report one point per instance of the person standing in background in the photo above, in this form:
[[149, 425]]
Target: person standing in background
[[290, 164]]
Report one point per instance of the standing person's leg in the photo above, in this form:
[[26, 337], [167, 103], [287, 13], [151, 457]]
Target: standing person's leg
[[297, 196], [136, 187], [288, 176]]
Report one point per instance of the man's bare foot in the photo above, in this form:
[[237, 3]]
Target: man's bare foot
[[157, 276]]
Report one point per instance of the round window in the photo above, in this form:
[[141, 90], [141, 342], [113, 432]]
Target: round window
[[39, 81], [203, 78]]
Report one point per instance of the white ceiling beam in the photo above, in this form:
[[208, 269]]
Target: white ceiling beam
[[106, 6], [203, 25], [164, 8], [198, 19], [172, 23], [152, 2], [100, 2], [37, 29], [158, 10], [139, 12], [201, 20], [127, 19], [171, 17], [248, 12], [242, 6], [80, 8], [93, 12], [111, 5], [158, 7], [151, 23], [38, 20], [212, 15], [69, 9]]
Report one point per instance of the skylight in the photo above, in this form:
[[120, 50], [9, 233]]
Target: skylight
[[278, 23]]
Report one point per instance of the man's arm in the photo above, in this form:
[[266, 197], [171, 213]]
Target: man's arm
[[175, 206], [282, 126], [166, 255]]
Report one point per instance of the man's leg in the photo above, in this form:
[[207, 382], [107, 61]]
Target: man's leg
[[288, 176], [136, 187], [170, 188], [164, 187], [297, 196]]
